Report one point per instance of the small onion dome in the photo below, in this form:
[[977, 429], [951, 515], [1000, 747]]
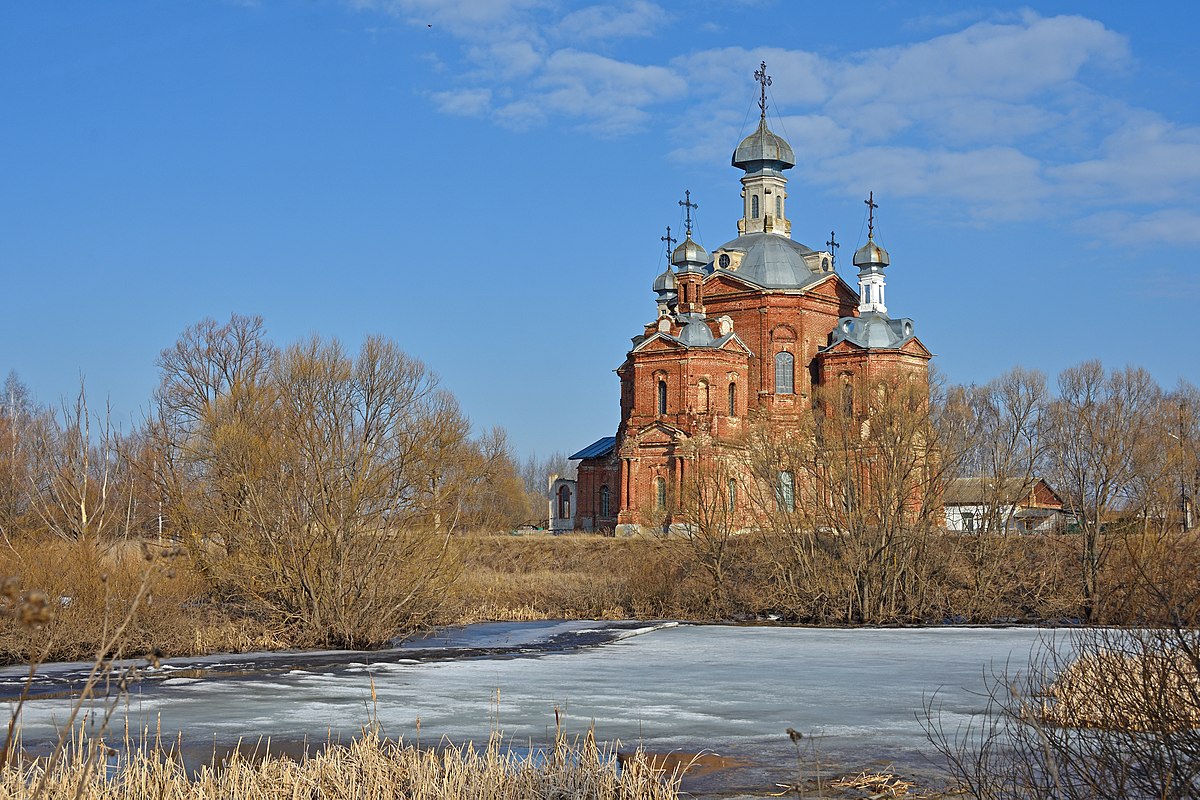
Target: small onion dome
[[665, 283], [689, 254], [696, 334], [762, 145], [871, 255]]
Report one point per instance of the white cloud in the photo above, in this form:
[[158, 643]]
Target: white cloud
[[1001, 120], [994, 183], [464, 102], [607, 21], [1164, 226], [607, 95], [1148, 160]]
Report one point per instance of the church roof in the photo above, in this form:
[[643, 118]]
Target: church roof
[[600, 447], [773, 261], [873, 331], [763, 145]]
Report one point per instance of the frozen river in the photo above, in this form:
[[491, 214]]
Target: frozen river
[[855, 694]]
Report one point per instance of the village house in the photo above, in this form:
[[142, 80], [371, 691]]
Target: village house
[[1025, 505]]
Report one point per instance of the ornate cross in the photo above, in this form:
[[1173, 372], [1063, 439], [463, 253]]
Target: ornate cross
[[871, 206], [833, 245], [763, 78], [670, 241], [688, 206]]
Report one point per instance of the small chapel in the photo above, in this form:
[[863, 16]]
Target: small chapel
[[749, 330]]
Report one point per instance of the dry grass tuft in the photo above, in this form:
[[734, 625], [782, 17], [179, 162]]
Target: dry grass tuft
[[369, 768]]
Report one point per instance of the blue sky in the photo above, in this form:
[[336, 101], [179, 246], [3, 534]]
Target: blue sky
[[486, 181]]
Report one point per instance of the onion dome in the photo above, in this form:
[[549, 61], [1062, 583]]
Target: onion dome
[[871, 255], [696, 333], [665, 283], [763, 146], [689, 255]]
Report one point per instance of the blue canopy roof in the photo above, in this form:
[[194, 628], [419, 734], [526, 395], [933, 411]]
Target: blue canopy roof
[[600, 447]]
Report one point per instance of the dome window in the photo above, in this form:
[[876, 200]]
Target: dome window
[[754, 206], [723, 261]]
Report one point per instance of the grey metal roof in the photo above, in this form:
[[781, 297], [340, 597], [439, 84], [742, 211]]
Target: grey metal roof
[[773, 261], [696, 334], [600, 447], [689, 253], [763, 146], [665, 282], [873, 331], [871, 254]]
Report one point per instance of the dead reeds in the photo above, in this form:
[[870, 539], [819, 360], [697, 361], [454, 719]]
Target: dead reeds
[[367, 768]]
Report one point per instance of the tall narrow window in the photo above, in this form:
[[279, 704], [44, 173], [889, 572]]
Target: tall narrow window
[[778, 205], [753, 206], [785, 493], [660, 493], [784, 380], [662, 397], [732, 399], [604, 501], [732, 495], [848, 398], [702, 397]]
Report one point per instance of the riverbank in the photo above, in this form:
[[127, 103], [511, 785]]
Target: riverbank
[[86, 589]]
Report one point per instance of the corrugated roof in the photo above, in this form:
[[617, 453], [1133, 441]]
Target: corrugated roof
[[979, 491], [600, 447]]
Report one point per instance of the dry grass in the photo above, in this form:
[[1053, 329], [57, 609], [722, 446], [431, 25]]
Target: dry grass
[[368, 768], [1146, 691]]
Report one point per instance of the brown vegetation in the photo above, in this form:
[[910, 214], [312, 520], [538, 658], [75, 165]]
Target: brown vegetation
[[370, 767]]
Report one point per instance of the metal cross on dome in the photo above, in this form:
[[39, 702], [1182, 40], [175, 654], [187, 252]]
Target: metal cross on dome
[[871, 206], [688, 206], [833, 245], [763, 78], [670, 241]]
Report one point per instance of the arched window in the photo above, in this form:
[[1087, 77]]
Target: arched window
[[732, 399], [732, 495], [662, 397], [779, 205], [784, 381], [753, 206], [785, 493], [604, 501], [848, 398], [660, 493], [564, 502], [702, 397]]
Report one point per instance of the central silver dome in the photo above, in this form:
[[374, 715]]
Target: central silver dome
[[773, 261]]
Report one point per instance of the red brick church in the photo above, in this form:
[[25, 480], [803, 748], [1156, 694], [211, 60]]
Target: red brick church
[[748, 330]]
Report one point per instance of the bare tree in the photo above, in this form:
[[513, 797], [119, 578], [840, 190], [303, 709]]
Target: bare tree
[[853, 495], [79, 489], [1101, 434]]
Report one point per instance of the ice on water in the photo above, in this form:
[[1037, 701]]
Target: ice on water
[[853, 692]]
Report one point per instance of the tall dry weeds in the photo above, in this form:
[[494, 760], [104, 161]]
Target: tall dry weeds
[[369, 768]]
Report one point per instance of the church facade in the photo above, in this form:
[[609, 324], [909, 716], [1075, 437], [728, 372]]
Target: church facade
[[747, 332]]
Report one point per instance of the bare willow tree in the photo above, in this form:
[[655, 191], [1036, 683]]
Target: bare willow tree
[[1009, 444], [709, 517], [317, 487], [79, 486], [1103, 432], [853, 495], [20, 421]]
